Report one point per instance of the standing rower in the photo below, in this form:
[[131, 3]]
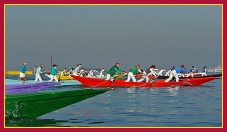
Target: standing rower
[[132, 72], [114, 69]]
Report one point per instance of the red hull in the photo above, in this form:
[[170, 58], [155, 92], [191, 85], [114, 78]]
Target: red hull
[[97, 82], [153, 77]]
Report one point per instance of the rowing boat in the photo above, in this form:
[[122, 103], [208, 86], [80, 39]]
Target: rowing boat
[[96, 82], [62, 82], [197, 75], [32, 105], [28, 87], [64, 78]]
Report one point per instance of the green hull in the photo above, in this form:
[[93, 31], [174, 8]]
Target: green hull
[[40, 103]]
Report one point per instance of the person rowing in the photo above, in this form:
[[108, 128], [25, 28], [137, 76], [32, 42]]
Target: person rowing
[[175, 72], [63, 72], [101, 72], [77, 68], [38, 73], [191, 72], [204, 71], [144, 76], [152, 71], [114, 69], [181, 71], [71, 71], [53, 73], [91, 72], [22, 72], [172, 73], [161, 71], [83, 72], [132, 72]]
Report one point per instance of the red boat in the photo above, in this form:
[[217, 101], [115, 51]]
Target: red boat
[[98, 82], [195, 75]]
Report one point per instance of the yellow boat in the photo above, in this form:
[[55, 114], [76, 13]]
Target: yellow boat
[[65, 78], [17, 72]]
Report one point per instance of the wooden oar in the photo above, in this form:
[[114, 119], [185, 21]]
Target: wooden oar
[[59, 78], [120, 75]]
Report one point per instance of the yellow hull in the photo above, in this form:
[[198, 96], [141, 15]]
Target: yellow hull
[[64, 78], [17, 72]]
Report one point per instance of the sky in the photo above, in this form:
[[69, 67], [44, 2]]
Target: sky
[[99, 36]]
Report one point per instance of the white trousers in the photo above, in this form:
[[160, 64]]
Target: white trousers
[[38, 77], [53, 77], [203, 74], [173, 73], [143, 78], [190, 74], [108, 77], [130, 76], [22, 74]]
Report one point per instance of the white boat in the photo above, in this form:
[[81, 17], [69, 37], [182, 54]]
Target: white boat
[[215, 69], [218, 68]]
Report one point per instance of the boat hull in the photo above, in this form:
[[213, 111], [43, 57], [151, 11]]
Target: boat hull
[[64, 78], [36, 104], [29, 87], [95, 82], [195, 75]]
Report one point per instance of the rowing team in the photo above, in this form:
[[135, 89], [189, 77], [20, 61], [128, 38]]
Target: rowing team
[[80, 71], [174, 72]]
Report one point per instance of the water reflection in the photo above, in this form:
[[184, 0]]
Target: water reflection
[[173, 91], [32, 122]]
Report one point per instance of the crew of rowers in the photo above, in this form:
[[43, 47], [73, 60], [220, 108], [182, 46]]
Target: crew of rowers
[[173, 72], [80, 71]]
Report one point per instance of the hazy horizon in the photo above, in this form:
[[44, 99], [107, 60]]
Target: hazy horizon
[[100, 36]]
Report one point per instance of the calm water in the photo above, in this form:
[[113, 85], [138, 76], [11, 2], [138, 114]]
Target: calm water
[[129, 107]]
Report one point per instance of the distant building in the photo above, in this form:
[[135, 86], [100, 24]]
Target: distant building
[[215, 69]]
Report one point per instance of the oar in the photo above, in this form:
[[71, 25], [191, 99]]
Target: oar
[[120, 75], [59, 78]]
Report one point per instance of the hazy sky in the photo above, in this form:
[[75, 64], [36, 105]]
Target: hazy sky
[[99, 36]]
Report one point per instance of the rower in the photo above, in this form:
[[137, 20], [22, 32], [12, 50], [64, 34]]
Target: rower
[[204, 71], [152, 71], [38, 73], [53, 73], [77, 68], [172, 74], [91, 72], [132, 72], [192, 70], [144, 76], [181, 70], [101, 72], [63, 72], [161, 71], [114, 69], [22, 72]]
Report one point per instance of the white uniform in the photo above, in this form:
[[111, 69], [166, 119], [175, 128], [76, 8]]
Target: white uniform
[[63, 72], [204, 72], [152, 72], [173, 73], [76, 71], [131, 76], [37, 75], [101, 73], [144, 77], [161, 71]]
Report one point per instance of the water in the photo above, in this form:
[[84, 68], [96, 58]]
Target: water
[[194, 106]]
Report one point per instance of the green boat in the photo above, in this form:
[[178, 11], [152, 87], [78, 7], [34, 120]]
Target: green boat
[[33, 105]]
